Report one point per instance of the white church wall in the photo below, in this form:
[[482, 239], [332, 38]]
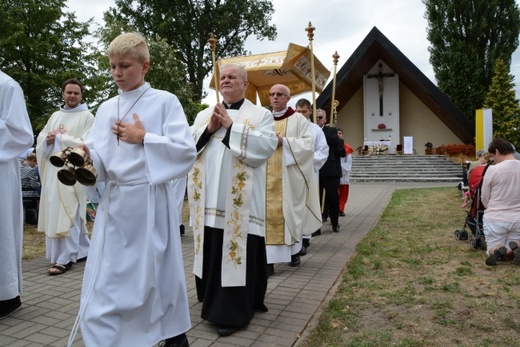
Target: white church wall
[[415, 120], [419, 121]]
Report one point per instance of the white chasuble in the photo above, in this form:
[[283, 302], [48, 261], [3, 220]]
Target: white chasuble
[[59, 203]]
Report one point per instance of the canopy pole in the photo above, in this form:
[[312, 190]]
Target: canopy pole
[[213, 45], [310, 36], [334, 103]]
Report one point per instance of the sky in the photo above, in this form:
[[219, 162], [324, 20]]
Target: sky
[[340, 25]]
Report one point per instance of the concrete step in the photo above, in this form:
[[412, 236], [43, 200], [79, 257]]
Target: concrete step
[[405, 168], [407, 179]]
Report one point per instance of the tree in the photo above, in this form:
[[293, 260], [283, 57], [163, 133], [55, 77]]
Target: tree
[[40, 47], [166, 72], [501, 98], [467, 37], [186, 25]]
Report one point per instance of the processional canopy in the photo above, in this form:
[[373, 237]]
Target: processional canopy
[[291, 68]]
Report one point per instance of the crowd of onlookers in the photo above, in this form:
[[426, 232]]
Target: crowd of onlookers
[[495, 176]]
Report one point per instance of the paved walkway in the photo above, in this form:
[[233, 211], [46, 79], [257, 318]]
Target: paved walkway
[[295, 296]]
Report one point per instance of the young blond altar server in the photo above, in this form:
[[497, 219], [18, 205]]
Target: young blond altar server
[[134, 290]]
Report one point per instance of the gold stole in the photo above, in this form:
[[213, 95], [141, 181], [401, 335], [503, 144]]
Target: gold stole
[[275, 222]]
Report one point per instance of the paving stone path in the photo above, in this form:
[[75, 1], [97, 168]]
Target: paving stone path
[[295, 296]]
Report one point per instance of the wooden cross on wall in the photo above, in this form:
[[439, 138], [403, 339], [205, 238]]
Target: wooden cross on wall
[[380, 78]]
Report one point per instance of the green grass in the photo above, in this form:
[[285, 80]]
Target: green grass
[[410, 283]]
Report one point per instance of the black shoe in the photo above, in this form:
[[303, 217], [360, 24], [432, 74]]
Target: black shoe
[[516, 251], [303, 251], [270, 269], [335, 228], [342, 214], [9, 306], [226, 330], [168, 343], [316, 233], [497, 256], [262, 308], [295, 260], [181, 227], [323, 219]]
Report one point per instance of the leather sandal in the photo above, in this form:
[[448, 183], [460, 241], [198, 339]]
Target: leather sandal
[[59, 269]]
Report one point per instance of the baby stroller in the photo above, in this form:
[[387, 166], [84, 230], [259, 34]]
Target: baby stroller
[[474, 216], [463, 185]]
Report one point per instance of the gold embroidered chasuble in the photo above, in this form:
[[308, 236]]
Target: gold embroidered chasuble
[[292, 205]]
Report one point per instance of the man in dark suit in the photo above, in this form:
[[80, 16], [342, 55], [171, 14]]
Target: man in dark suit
[[330, 172]]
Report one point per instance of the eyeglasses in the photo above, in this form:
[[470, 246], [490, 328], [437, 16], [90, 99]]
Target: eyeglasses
[[320, 117], [277, 94]]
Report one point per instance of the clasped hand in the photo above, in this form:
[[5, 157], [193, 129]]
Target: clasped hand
[[219, 118], [280, 139]]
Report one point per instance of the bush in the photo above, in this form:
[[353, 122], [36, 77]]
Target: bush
[[457, 150]]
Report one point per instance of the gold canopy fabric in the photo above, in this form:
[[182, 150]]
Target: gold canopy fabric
[[291, 68]]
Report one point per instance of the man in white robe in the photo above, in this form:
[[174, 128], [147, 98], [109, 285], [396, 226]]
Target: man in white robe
[[321, 153], [134, 287], [63, 211], [290, 170], [16, 136], [226, 190]]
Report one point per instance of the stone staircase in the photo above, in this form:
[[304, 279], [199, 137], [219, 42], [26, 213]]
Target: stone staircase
[[405, 168]]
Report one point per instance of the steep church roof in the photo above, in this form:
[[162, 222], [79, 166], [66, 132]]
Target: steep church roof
[[349, 79]]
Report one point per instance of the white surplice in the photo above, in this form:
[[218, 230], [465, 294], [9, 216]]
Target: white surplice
[[16, 136], [134, 288], [301, 211], [321, 148], [321, 153], [252, 140], [346, 167], [61, 205]]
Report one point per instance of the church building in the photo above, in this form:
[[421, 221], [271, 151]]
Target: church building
[[382, 95]]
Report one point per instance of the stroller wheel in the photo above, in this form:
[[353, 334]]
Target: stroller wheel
[[463, 235], [473, 242], [457, 234], [482, 242]]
